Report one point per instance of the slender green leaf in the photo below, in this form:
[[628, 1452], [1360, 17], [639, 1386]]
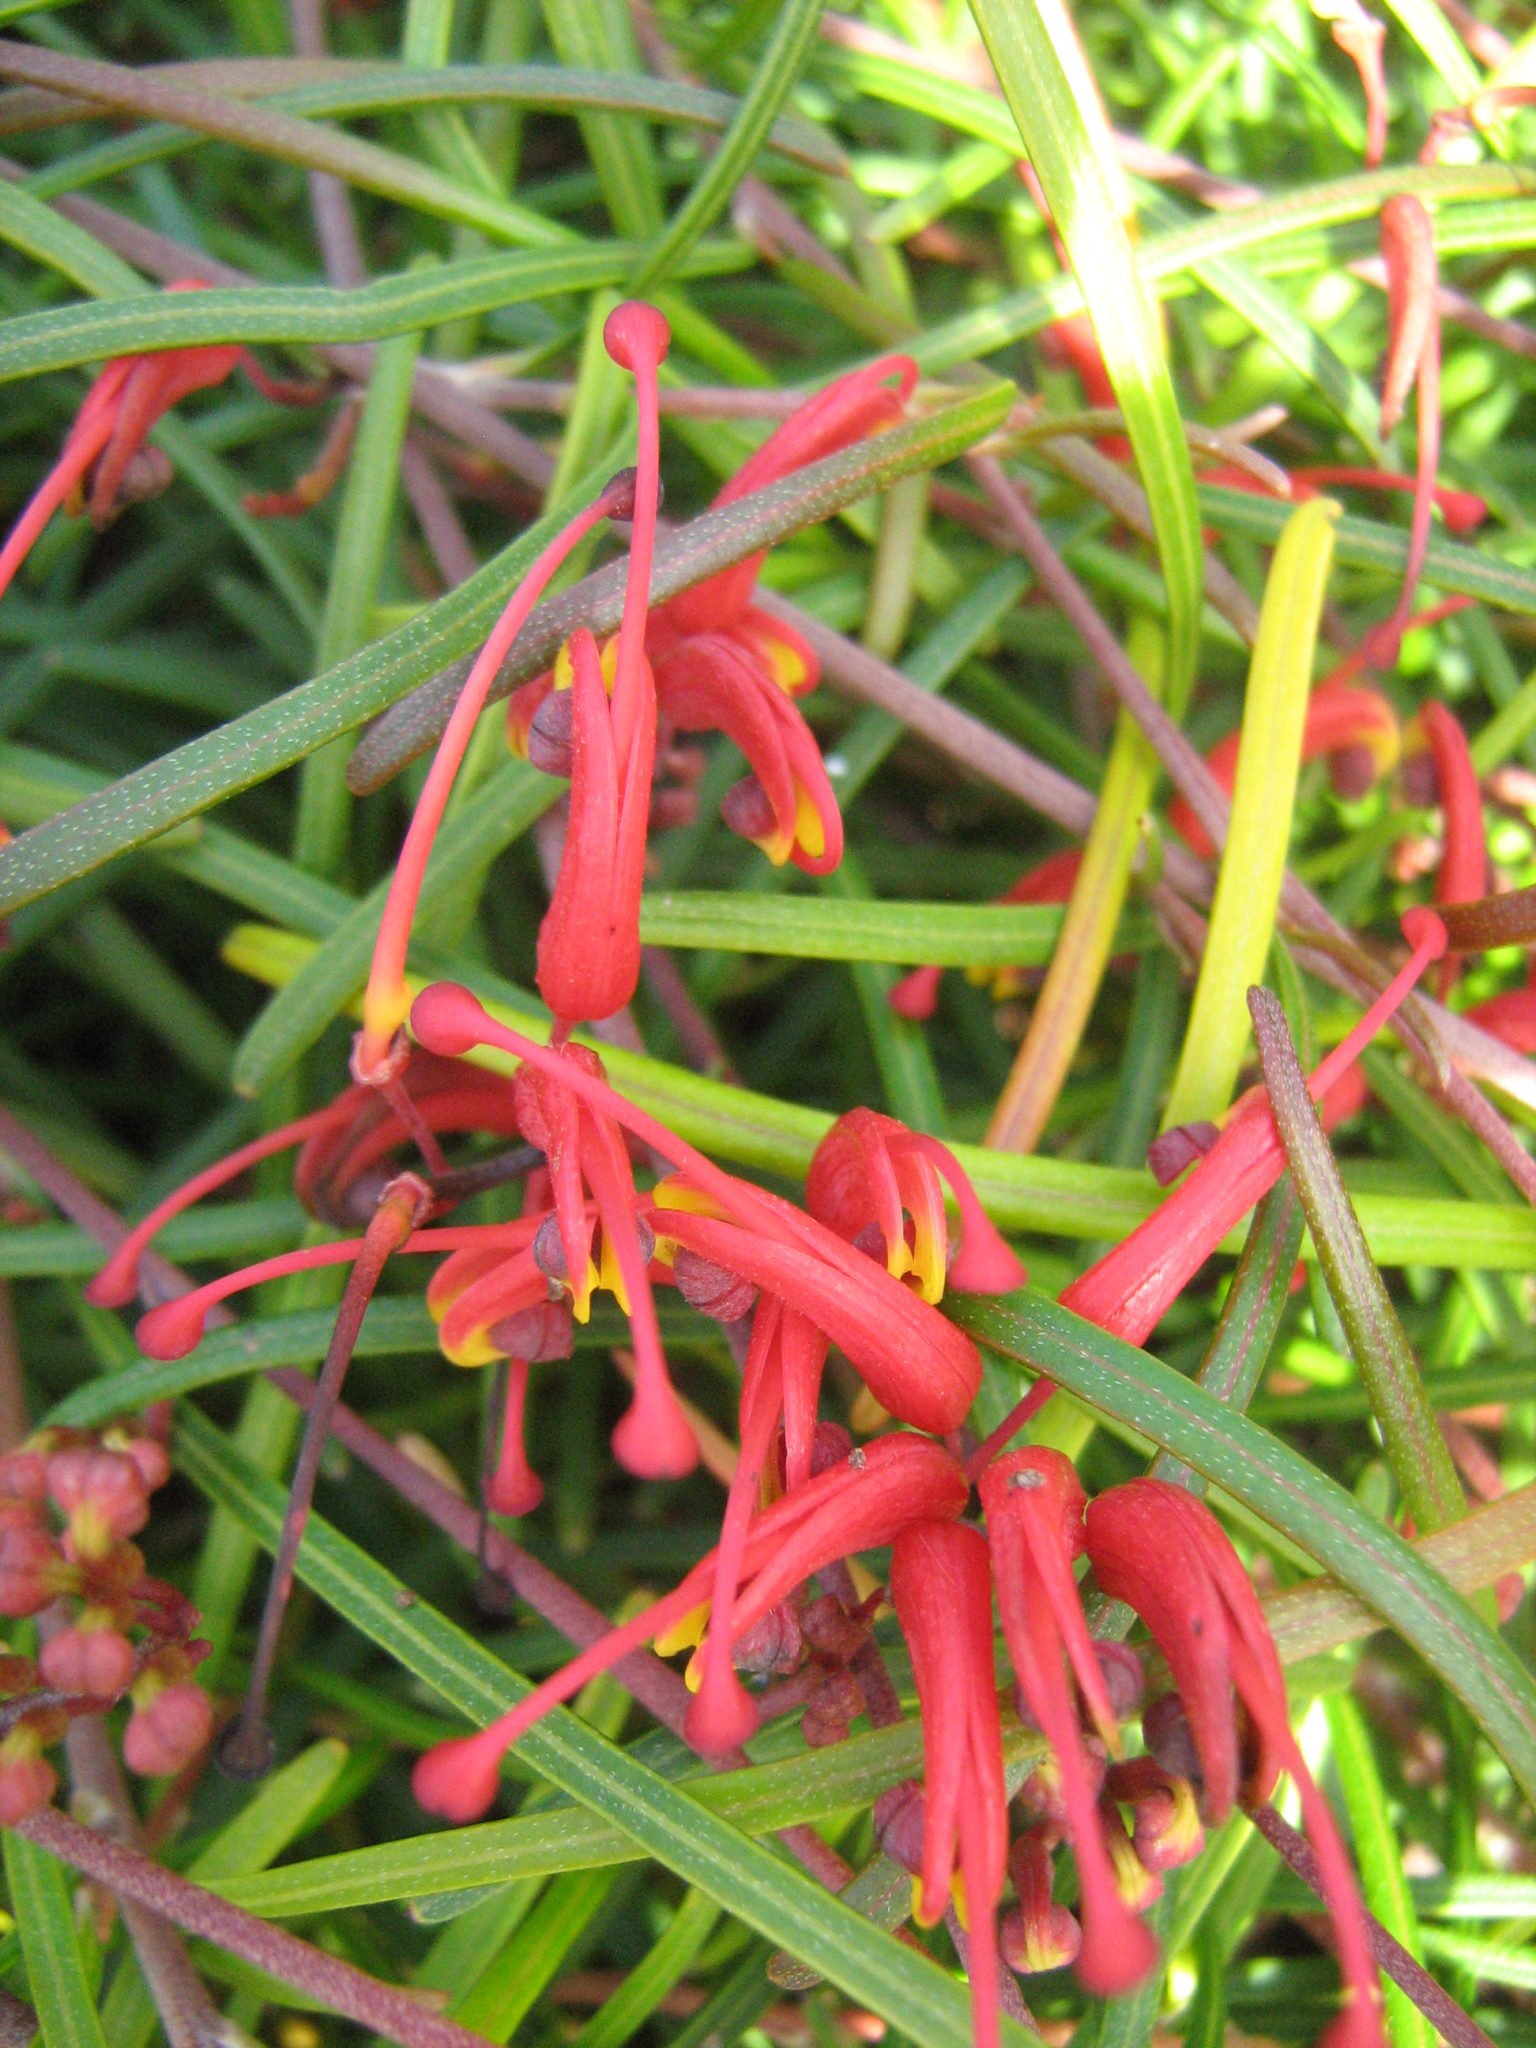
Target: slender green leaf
[[45, 1921], [1030, 43]]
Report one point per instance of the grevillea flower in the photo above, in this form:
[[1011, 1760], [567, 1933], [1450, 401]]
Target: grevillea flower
[[1462, 875], [1034, 1503], [1355, 728], [871, 1172], [941, 1586], [1413, 360], [876, 1184], [344, 1150], [1129, 1289], [589, 940], [386, 999], [916, 1363], [1049, 881], [1159, 1549], [105, 448], [720, 664], [862, 1502]]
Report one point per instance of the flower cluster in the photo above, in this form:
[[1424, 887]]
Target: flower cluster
[[70, 1502], [862, 1265]]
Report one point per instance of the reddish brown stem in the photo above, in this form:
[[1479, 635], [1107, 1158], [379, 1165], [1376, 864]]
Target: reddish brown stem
[[398, 2015]]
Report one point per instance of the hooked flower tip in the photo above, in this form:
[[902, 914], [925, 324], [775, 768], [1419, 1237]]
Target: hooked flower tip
[[636, 335], [117, 1282], [447, 1019]]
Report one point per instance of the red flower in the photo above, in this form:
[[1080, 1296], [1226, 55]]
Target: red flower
[[1034, 1507], [721, 665], [1161, 1550], [917, 1364], [1462, 875], [941, 1585], [386, 1000], [1127, 1291], [122, 406], [870, 1171], [589, 941], [862, 1502]]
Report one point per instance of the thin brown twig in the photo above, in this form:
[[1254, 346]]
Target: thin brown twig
[[398, 2015]]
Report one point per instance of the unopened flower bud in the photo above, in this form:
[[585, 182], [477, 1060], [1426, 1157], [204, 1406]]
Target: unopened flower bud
[[831, 1710], [898, 1819], [710, 1288], [103, 1496], [96, 1662], [27, 1779], [1038, 1935], [165, 1733], [32, 1571], [1170, 1152], [1165, 1821]]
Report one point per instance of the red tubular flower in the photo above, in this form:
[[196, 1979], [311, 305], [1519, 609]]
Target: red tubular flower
[[721, 665], [1034, 1504], [129, 395], [1128, 1290], [1356, 728], [1463, 871], [862, 1502], [585, 1150], [589, 941], [721, 1715], [386, 1000], [1049, 881], [1161, 1550], [1413, 358], [870, 1170], [918, 1365], [942, 1589]]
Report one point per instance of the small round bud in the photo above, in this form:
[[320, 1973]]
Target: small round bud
[[746, 810], [636, 336], [165, 1734], [27, 1783], [94, 1662], [711, 1289], [32, 1571], [549, 742]]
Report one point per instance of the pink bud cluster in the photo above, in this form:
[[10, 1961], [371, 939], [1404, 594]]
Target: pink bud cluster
[[70, 1503]]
